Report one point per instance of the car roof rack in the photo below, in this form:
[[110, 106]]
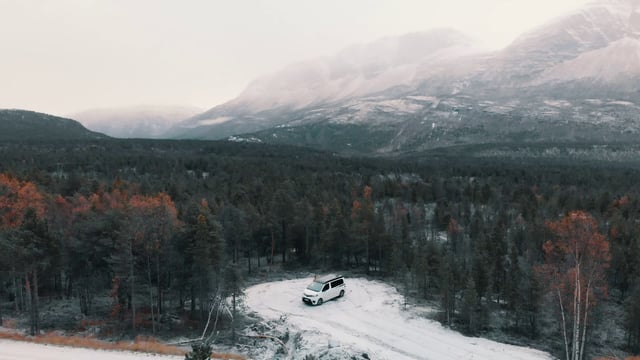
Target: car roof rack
[[326, 278]]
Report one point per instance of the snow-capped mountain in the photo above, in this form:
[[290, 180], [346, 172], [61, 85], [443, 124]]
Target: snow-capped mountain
[[354, 72], [135, 122], [592, 27], [574, 78]]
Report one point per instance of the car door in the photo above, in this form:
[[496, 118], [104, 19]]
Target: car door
[[326, 292], [335, 288]]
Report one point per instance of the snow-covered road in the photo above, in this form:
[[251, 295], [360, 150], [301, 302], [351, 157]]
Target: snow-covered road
[[370, 319], [17, 350]]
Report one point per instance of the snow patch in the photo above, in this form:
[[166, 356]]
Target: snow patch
[[16, 350], [500, 109], [214, 121], [620, 102], [593, 101], [370, 319], [558, 103], [399, 106], [431, 99], [243, 139]]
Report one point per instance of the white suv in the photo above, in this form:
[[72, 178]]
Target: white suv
[[323, 289]]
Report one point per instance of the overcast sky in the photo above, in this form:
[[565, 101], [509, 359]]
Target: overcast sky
[[65, 56]]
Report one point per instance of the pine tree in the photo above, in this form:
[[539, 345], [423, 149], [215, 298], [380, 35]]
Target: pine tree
[[469, 307], [447, 286], [632, 320], [207, 251], [199, 351], [233, 287]]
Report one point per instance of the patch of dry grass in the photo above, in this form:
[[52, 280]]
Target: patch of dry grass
[[140, 344]]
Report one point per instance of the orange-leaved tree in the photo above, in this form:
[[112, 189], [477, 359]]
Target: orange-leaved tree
[[16, 197], [576, 257], [25, 248]]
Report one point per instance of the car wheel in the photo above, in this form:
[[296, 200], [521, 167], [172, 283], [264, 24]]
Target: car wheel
[[341, 293], [319, 301]]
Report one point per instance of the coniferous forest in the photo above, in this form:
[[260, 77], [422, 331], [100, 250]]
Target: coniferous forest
[[143, 236]]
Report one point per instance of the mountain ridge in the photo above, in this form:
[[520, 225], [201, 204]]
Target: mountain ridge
[[541, 81], [317, 82]]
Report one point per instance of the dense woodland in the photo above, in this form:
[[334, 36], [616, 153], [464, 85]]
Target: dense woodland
[[535, 250]]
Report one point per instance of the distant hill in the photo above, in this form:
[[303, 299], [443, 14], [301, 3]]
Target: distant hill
[[30, 125], [145, 122]]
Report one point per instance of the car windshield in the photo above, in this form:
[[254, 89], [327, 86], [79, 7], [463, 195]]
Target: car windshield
[[315, 286]]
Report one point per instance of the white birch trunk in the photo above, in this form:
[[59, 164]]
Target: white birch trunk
[[576, 321], [575, 317], [564, 327], [584, 324]]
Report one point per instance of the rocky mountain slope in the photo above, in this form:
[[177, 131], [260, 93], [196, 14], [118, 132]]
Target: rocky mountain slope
[[354, 72], [576, 78]]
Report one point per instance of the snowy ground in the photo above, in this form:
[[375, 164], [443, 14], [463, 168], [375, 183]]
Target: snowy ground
[[17, 350], [370, 319]]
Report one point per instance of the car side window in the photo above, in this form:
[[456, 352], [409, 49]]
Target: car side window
[[337, 283], [326, 287]]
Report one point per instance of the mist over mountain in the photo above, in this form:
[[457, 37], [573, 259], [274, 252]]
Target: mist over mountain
[[20, 125], [135, 122], [357, 71], [572, 79]]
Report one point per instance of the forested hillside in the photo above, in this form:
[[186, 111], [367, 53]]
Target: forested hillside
[[147, 236], [23, 124]]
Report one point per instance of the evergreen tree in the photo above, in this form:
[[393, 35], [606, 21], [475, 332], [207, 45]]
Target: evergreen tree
[[281, 214], [233, 287], [206, 250], [199, 351], [469, 308], [447, 286]]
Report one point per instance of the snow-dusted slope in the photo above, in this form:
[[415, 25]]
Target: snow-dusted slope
[[135, 122], [614, 63], [594, 26], [357, 71], [370, 319]]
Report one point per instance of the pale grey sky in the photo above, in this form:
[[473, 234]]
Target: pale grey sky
[[65, 56]]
